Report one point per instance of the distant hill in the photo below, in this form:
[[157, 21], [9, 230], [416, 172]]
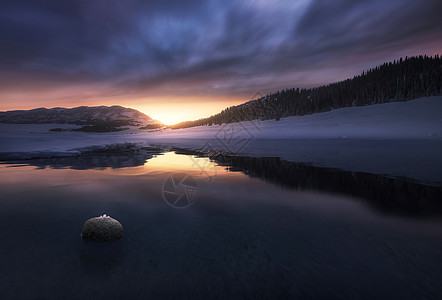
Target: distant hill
[[400, 80], [97, 118]]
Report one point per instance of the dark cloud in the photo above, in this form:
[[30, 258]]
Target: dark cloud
[[185, 47], [345, 27]]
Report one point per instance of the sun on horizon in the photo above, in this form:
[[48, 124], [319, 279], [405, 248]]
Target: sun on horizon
[[174, 113]]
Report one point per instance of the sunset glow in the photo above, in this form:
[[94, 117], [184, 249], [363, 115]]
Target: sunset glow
[[170, 112], [189, 60], [170, 115]]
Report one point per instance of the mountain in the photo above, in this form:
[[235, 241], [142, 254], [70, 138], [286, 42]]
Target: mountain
[[97, 118], [401, 80]]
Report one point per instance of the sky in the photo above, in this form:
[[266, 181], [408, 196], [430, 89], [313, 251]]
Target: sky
[[180, 60]]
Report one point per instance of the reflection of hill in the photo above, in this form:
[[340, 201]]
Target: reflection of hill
[[91, 158], [390, 195]]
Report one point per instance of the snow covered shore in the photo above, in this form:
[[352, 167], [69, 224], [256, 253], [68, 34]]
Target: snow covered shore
[[416, 119], [398, 139]]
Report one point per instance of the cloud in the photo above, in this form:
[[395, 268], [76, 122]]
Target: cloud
[[195, 47], [343, 27]]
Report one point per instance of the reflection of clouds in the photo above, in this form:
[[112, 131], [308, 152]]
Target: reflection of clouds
[[206, 167], [172, 161]]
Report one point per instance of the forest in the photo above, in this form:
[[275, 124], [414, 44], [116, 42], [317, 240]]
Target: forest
[[400, 80]]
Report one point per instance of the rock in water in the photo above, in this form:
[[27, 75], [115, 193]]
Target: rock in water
[[102, 228]]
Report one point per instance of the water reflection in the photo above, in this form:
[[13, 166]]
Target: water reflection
[[385, 194]]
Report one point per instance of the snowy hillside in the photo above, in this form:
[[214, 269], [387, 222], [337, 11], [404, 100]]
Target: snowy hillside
[[416, 119], [83, 115]]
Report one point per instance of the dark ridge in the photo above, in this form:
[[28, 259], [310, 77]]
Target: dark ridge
[[100, 128], [91, 128]]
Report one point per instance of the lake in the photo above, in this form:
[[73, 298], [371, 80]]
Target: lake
[[216, 227]]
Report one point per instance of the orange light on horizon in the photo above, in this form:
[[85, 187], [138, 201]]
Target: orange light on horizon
[[167, 110], [173, 117], [173, 112]]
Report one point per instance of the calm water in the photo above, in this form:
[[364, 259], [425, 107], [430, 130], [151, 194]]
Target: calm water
[[256, 228]]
